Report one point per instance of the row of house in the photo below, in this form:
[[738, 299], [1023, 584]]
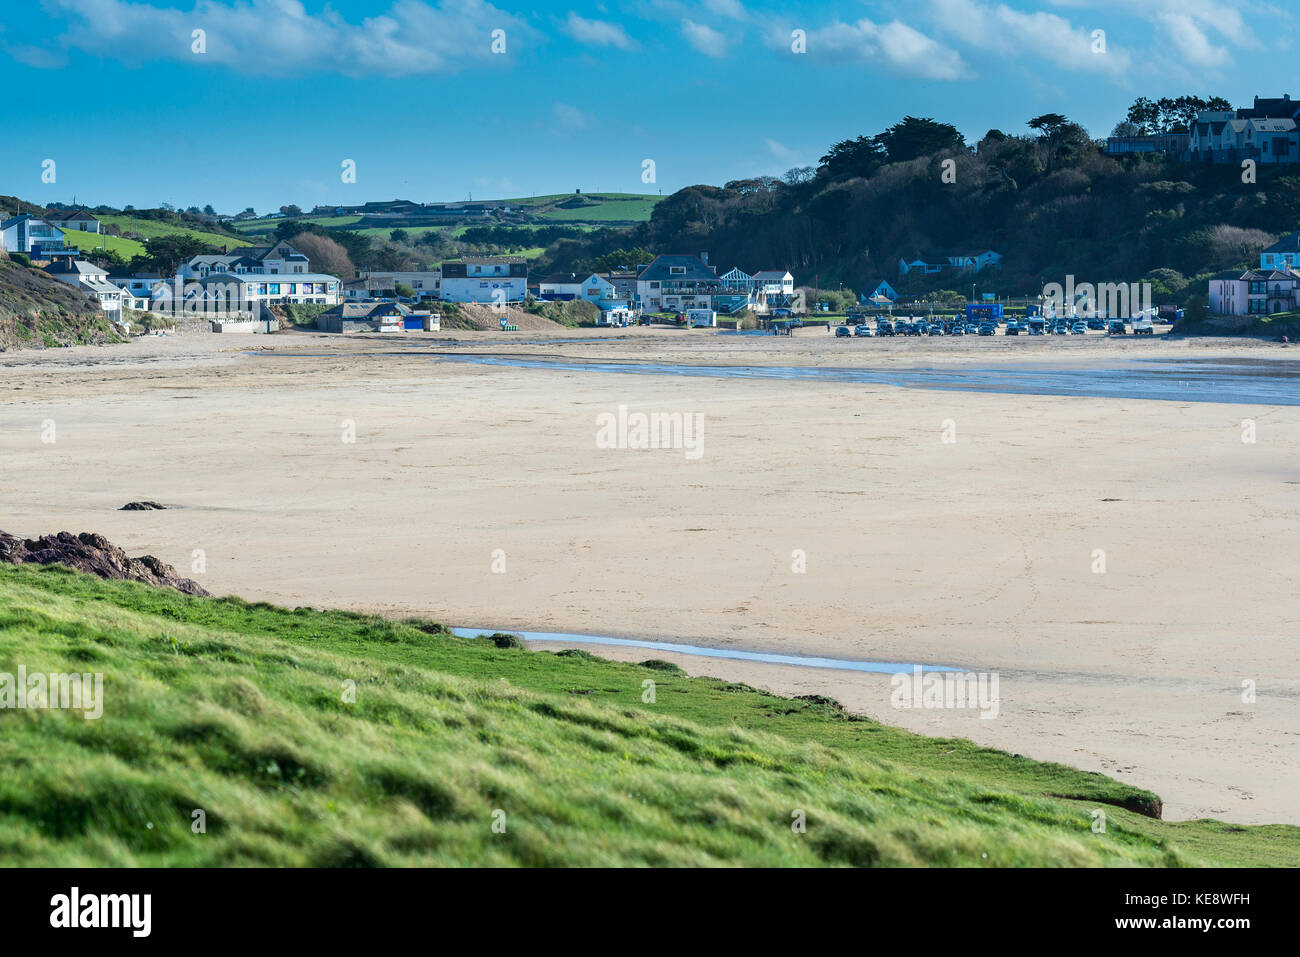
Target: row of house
[[676, 283], [963, 261], [1268, 131]]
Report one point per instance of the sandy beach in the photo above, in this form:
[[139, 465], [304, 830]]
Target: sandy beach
[[821, 518]]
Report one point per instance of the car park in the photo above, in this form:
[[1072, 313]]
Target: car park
[[936, 329], [884, 327], [1097, 323], [1012, 329]]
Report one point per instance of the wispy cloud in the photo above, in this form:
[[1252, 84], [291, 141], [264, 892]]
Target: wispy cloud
[[600, 33], [1002, 30], [281, 37], [895, 47], [570, 117], [704, 38]]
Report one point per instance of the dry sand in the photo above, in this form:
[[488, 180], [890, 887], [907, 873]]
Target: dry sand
[[978, 553]]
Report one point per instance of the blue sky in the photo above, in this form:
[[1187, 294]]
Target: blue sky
[[283, 91]]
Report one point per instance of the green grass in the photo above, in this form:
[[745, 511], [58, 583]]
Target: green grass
[[152, 228], [126, 248], [240, 710]]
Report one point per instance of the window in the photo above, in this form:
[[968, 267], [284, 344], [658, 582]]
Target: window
[[677, 270]]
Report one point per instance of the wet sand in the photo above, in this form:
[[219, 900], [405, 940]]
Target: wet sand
[[978, 553]]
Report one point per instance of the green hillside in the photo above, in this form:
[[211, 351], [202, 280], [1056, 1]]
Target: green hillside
[[38, 311], [243, 711], [151, 228], [86, 242]]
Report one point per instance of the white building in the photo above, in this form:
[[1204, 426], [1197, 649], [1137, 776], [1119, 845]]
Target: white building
[[1255, 292], [223, 293], [77, 219], [92, 282], [593, 289], [498, 279], [31, 235]]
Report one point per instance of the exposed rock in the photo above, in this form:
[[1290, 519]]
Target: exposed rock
[[140, 507], [95, 555]]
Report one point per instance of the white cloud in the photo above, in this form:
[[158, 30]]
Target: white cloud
[[1190, 42], [598, 33], [784, 154], [728, 8], [570, 117], [705, 39], [1002, 30], [895, 46], [281, 37]]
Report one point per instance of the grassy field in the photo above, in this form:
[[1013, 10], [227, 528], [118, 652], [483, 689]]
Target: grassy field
[[150, 229], [243, 712], [126, 248]]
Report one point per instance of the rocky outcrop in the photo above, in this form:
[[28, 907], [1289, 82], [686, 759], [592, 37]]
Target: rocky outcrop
[[94, 555], [140, 507]]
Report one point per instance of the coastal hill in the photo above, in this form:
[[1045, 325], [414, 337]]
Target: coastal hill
[[327, 738], [1051, 202], [38, 311]]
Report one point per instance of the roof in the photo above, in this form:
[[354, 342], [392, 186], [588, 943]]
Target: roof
[[488, 260], [696, 269], [366, 310], [1287, 244], [260, 277], [78, 266], [63, 215], [771, 274]]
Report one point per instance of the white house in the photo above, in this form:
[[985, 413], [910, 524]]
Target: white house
[[73, 219], [677, 282], [228, 292], [278, 260], [499, 279], [91, 281], [1255, 292], [32, 235], [592, 289]]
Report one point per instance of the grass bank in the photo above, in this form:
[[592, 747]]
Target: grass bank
[[329, 738]]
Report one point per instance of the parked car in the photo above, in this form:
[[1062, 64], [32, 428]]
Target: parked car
[[936, 329], [884, 327], [1079, 329], [1116, 327], [862, 330], [988, 329], [1143, 327], [842, 331], [958, 329], [1097, 323], [1012, 329]]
